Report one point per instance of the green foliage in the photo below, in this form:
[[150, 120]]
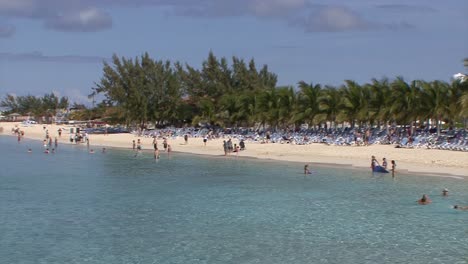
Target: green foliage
[[33, 105], [144, 91]]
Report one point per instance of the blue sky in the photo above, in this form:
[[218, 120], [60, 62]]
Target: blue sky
[[59, 45]]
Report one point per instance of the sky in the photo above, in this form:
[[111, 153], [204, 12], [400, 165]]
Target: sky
[[59, 45]]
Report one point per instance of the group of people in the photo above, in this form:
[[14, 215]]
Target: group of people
[[375, 166], [425, 200], [229, 147], [137, 146]]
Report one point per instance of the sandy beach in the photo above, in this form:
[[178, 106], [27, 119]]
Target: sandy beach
[[413, 161]]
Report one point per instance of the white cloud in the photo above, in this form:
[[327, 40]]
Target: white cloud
[[86, 20], [90, 15], [62, 15], [335, 19]]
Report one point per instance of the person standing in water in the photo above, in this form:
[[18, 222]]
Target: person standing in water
[[155, 143], [384, 163], [306, 169], [156, 154], [393, 168], [445, 192], [374, 163]]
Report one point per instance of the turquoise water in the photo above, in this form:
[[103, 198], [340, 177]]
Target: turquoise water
[[75, 207]]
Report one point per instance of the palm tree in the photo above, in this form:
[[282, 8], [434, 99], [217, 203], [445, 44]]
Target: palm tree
[[356, 100], [435, 100], [269, 108], [407, 105], [287, 103], [381, 100], [308, 102], [330, 103]]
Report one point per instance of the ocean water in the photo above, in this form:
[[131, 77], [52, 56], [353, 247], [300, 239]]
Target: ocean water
[[76, 207]]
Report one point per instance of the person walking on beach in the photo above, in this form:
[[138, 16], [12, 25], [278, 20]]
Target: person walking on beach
[[205, 139], [186, 139], [367, 136], [225, 147], [134, 145], [229, 145]]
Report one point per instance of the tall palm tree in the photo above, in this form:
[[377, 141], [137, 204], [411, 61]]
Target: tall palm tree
[[381, 100], [356, 101], [308, 102], [435, 100], [330, 103], [269, 108], [407, 105], [287, 103]]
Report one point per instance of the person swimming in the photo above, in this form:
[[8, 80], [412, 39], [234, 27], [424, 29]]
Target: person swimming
[[445, 192], [458, 207], [424, 200]]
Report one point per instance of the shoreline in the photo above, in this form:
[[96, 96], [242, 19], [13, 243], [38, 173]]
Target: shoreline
[[424, 162]]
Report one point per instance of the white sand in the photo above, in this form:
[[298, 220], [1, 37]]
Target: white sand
[[420, 161]]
